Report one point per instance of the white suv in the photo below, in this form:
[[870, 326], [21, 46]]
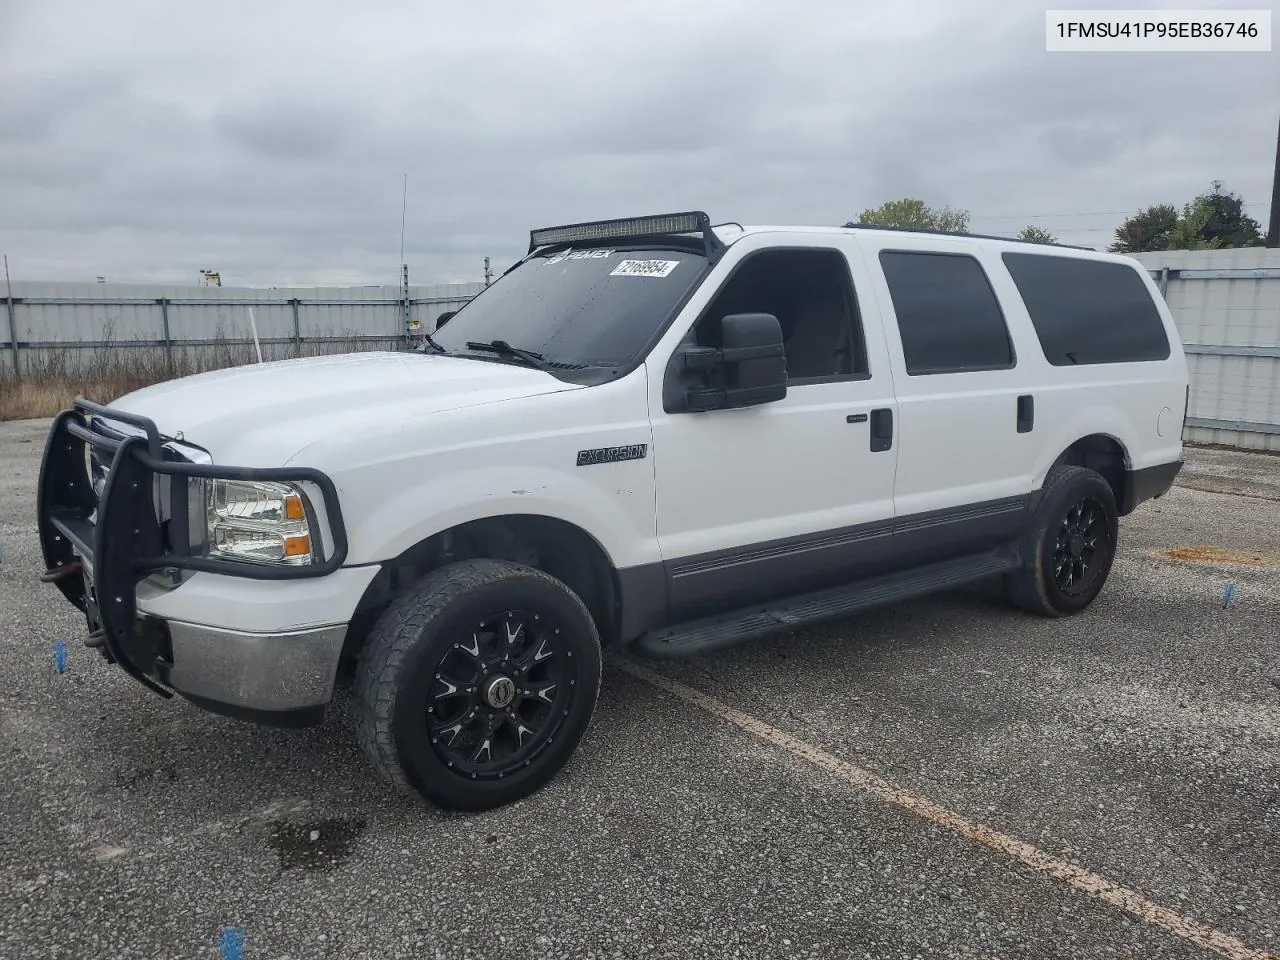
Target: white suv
[[651, 433]]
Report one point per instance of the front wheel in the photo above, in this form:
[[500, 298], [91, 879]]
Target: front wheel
[[474, 689], [1070, 546]]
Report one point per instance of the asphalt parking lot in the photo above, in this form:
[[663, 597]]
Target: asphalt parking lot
[[1137, 744]]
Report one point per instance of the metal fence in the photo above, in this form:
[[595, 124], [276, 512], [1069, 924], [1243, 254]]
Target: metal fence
[[80, 320], [1226, 304]]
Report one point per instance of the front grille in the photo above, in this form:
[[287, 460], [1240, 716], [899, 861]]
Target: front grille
[[100, 467], [100, 462]]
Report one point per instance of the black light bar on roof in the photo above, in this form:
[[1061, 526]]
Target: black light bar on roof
[[628, 228]]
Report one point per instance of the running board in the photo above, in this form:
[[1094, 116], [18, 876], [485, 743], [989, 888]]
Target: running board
[[715, 633]]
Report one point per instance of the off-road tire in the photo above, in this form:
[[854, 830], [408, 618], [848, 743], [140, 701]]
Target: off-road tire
[[1035, 587], [417, 632]]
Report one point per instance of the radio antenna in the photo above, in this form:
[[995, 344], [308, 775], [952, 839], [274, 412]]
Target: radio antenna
[[404, 206]]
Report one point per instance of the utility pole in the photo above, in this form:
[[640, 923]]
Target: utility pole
[[1273, 234]]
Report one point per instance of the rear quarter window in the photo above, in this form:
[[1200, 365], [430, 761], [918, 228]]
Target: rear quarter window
[[1088, 311]]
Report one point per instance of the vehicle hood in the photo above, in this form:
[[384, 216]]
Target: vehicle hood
[[264, 414]]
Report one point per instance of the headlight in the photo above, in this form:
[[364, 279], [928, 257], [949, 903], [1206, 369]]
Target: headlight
[[257, 521]]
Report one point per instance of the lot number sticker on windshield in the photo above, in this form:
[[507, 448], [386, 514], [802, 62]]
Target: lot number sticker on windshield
[[644, 268]]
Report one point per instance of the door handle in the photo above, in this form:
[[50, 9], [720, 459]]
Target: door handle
[[1026, 413], [881, 430]]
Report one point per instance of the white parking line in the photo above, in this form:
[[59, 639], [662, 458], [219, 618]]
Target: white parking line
[[1116, 895]]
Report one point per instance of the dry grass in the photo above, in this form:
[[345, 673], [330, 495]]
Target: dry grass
[[29, 400], [52, 378]]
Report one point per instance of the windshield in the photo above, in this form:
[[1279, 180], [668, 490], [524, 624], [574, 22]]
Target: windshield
[[595, 307]]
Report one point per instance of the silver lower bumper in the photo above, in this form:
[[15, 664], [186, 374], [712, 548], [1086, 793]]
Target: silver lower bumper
[[255, 672]]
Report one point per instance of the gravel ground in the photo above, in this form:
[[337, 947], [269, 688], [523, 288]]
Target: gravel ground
[[1140, 740]]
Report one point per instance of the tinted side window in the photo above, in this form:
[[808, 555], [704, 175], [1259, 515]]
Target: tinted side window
[[1088, 311], [948, 315], [810, 293]]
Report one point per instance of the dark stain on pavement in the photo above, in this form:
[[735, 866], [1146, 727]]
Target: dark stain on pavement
[[315, 845]]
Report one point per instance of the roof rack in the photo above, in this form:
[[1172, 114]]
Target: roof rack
[[955, 233]]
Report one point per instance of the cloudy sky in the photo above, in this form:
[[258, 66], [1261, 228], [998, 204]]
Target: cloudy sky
[[269, 140]]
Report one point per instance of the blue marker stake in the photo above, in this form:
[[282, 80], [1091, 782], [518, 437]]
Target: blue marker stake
[[1226, 597], [60, 656], [232, 943]]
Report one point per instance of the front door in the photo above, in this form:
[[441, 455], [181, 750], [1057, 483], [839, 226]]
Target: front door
[[796, 494]]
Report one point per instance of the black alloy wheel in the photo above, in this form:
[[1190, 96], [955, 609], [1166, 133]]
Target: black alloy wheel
[[1083, 539], [1068, 546], [500, 695], [475, 687]]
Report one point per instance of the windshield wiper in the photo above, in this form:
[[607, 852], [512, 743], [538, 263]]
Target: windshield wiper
[[504, 349], [429, 341]]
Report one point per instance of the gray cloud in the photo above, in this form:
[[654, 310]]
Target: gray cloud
[[144, 142], [295, 129]]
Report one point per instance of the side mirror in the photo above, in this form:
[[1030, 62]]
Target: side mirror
[[748, 368], [444, 318]]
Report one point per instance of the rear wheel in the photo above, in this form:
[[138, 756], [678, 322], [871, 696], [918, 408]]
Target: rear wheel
[[474, 689], [1070, 546]]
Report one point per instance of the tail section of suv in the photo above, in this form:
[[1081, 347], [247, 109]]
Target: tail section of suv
[[649, 433]]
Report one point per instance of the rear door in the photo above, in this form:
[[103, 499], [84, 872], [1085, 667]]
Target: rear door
[[966, 404]]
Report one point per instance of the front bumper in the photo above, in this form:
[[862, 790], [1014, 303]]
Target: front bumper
[[99, 546], [280, 679]]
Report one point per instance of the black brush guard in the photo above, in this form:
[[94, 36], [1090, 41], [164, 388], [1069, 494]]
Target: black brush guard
[[125, 541]]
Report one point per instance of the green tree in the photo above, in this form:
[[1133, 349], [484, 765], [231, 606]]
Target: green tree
[[910, 214], [1211, 221], [1146, 230], [1215, 220], [1190, 232], [1036, 234]]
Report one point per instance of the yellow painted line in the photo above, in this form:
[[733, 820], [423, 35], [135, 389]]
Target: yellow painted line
[[1130, 901]]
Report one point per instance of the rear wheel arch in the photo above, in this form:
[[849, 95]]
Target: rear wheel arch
[[1104, 454]]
